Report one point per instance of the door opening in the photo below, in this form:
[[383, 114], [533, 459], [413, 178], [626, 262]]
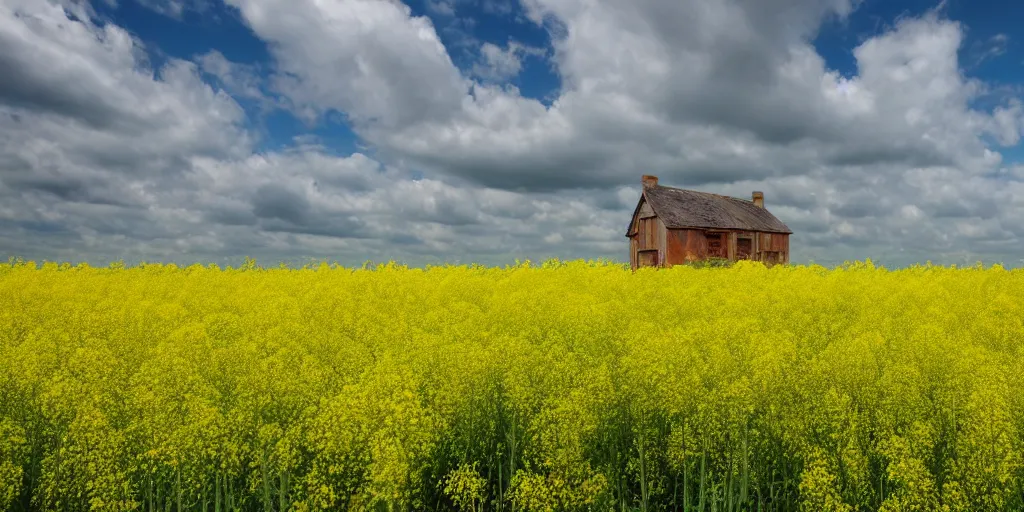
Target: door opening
[[647, 258], [744, 246]]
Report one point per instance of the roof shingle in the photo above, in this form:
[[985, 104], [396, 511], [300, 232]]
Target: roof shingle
[[679, 208]]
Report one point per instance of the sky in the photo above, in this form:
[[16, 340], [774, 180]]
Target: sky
[[485, 131]]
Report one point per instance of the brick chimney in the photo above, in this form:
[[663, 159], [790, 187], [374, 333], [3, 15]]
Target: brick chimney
[[649, 181], [759, 199]]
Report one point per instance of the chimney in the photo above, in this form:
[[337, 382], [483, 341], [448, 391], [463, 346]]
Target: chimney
[[759, 199], [649, 181]]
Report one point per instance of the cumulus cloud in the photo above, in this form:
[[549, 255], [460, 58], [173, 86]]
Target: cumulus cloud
[[635, 81], [331, 56], [241, 80], [892, 162], [102, 157], [90, 136], [87, 129], [308, 193], [717, 95], [499, 64]]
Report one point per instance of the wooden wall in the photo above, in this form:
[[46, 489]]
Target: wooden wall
[[686, 245], [650, 236], [773, 245], [773, 242], [680, 246]]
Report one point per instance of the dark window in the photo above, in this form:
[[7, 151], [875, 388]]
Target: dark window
[[648, 258], [744, 246], [715, 246]]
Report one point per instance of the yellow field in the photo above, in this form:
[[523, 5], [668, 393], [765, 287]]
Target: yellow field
[[571, 387]]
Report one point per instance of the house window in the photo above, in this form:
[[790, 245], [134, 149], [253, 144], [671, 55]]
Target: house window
[[744, 247], [716, 249], [648, 258], [771, 256]]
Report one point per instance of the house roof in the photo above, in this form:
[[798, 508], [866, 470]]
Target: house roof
[[679, 208]]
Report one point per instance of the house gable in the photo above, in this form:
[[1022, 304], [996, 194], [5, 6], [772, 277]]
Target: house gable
[[643, 210]]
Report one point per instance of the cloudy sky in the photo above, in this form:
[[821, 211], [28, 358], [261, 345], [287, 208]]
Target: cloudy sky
[[489, 130]]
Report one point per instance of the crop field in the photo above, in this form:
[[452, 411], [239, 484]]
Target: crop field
[[563, 386]]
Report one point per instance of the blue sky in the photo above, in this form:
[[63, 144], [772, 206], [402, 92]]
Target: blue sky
[[490, 130]]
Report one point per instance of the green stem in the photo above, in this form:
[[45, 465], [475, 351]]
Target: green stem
[[216, 492], [703, 477]]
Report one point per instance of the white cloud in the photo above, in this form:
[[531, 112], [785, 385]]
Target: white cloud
[[441, 7], [243, 81], [716, 95], [499, 64], [989, 49], [1008, 123], [722, 96], [175, 9], [90, 86], [88, 131], [332, 56], [102, 158]]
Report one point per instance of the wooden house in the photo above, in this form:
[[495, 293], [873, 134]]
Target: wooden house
[[672, 226]]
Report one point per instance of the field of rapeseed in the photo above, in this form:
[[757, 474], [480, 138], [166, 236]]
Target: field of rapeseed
[[564, 387]]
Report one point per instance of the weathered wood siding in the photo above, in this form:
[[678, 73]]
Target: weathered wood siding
[[670, 247], [773, 247], [632, 251], [650, 234], [774, 242], [686, 245]]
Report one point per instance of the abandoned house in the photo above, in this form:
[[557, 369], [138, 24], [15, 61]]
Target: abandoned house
[[672, 226]]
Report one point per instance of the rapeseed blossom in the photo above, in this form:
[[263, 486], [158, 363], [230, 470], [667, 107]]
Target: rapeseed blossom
[[564, 386]]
